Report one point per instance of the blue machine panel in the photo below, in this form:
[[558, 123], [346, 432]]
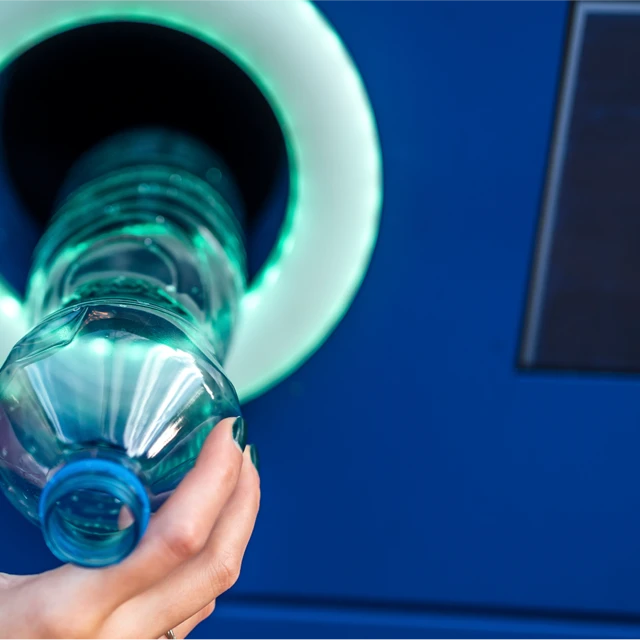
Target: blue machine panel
[[415, 481]]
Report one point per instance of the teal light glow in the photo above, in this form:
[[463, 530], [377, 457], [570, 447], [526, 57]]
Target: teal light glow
[[10, 307], [13, 324], [100, 346], [10, 304], [302, 67]]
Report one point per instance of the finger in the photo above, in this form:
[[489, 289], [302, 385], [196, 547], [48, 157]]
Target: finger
[[185, 628], [182, 526], [9, 581], [203, 578]]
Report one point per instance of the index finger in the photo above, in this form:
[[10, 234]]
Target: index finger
[[181, 527]]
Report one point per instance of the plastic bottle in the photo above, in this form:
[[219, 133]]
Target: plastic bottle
[[134, 293]]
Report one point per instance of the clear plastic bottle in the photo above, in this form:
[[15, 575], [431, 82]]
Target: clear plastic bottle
[[135, 289]]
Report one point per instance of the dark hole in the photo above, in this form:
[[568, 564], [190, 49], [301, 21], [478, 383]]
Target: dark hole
[[69, 92]]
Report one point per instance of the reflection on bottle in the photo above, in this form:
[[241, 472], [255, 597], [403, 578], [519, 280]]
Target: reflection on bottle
[[135, 290]]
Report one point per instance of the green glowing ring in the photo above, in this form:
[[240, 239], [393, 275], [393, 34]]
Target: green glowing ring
[[313, 86]]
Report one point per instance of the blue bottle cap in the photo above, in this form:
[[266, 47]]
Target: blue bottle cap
[[93, 512]]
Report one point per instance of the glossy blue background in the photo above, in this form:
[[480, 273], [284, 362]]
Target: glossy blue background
[[415, 483]]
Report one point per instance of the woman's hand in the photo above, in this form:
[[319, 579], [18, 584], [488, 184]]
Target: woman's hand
[[190, 554]]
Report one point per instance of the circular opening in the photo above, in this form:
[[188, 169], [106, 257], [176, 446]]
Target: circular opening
[[333, 152], [69, 92], [93, 513]]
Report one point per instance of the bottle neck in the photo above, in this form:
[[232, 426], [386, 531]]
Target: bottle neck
[[93, 512], [150, 218]]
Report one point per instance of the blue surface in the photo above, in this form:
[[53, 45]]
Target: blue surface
[[415, 483]]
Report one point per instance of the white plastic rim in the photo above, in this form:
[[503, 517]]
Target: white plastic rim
[[300, 64]]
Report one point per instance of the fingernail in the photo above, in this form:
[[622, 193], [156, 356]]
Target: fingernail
[[253, 452], [239, 432]]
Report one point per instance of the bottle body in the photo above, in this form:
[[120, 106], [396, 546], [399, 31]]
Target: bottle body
[[105, 404], [150, 217]]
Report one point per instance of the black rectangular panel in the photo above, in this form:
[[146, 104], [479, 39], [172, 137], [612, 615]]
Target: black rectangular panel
[[584, 303]]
